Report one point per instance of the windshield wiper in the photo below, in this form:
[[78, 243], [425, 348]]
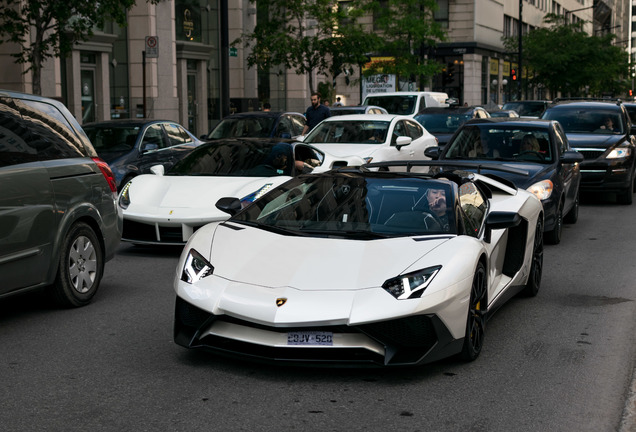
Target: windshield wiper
[[357, 234], [271, 228]]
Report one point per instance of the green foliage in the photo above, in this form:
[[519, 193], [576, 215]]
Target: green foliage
[[409, 30], [308, 36], [49, 28], [565, 59]]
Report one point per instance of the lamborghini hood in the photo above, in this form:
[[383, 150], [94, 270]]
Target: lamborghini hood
[[254, 256]]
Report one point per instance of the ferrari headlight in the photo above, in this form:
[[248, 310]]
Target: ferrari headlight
[[195, 268], [619, 152], [410, 285], [542, 189], [124, 197], [256, 195]]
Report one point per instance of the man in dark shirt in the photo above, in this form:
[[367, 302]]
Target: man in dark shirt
[[315, 113]]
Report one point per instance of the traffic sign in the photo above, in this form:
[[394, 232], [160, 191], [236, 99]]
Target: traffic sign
[[233, 52], [152, 46]]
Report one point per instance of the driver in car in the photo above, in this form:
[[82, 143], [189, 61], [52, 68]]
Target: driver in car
[[437, 204]]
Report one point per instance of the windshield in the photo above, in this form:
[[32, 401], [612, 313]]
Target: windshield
[[500, 142], [256, 127], [350, 132], [526, 109], [585, 121], [355, 206], [403, 105], [244, 159], [442, 123], [112, 138]]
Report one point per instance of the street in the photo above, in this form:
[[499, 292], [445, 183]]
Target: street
[[561, 361]]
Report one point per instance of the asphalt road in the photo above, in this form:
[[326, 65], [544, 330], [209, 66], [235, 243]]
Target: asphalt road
[[562, 361]]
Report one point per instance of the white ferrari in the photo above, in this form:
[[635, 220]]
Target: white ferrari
[[167, 207], [360, 266]]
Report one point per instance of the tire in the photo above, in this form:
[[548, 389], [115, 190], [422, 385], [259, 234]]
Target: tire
[[476, 321], [536, 267], [554, 236], [573, 214], [80, 268]]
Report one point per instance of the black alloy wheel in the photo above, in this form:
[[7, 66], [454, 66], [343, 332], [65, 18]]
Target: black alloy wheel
[[476, 322], [554, 236], [536, 267], [573, 214]]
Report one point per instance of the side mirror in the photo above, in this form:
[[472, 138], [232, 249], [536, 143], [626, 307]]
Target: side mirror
[[500, 220], [571, 157], [146, 147], [402, 141], [158, 170], [229, 205], [433, 152]]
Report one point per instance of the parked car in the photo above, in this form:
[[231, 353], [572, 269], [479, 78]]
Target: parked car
[[539, 149], [609, 151], [132, 146], [527, 108], [631, 111], [373, 137], [356, 266], [59, 222], [443, 122], [259, 124], [167, 207], [406, 103], [503, 113], [357, 109]]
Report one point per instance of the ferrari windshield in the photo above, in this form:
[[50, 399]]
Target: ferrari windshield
[[349, 132], [355, 207], [237, 158], [501, 142]]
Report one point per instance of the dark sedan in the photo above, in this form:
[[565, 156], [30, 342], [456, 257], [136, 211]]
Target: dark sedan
[[259, 124], [131, 147], [602, 132], [443, 122], [538, 147]]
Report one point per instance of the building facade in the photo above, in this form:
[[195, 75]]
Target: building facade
[[175, 60]]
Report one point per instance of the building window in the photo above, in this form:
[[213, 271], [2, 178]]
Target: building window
[[441, 14]]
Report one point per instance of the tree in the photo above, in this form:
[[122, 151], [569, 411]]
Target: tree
[[307, 36], [567, 60], [49, 28], [409, 31]]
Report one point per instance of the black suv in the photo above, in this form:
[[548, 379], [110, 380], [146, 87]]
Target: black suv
[[59, 219], [602, 132]]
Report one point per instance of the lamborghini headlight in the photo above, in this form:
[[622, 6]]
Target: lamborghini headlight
[[256, 195], [124, 197], [542, 189], [195, 268], [619, 152], [411, 285]]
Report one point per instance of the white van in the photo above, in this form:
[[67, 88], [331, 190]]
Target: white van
[[407, 103]]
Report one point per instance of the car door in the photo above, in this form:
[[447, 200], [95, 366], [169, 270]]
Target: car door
[[27, 213], [569, 174], [180, 143], [154, 149], [404, 152]]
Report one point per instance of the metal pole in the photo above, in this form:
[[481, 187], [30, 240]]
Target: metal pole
[[519, 73], [143, 73], [225, 59]]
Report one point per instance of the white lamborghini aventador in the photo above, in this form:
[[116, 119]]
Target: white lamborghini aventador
[[167, 207], [360, 266]]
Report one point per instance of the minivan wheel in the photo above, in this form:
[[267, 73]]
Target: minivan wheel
[[80, 268]]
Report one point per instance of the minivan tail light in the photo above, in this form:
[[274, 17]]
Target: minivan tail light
[[107, 172]]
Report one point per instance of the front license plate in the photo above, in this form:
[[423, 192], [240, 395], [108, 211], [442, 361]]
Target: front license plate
[[310, 338]]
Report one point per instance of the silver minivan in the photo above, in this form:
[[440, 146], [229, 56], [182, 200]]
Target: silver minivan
[[59, 221]]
